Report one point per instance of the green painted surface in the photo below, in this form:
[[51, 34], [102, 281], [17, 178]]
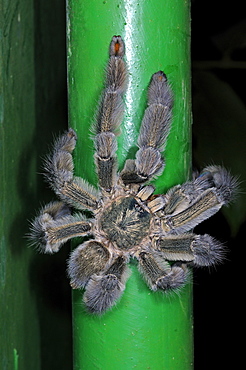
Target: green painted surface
[[34, 319], [17, 306], [145, 330]]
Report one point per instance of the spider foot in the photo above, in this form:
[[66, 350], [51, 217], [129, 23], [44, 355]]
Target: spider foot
[[222, 180], [41, 224], [207, 251], [117, 47], [86, 260], [55, 225], [59, 164], [105, 289], [175, 279], [159, 275]]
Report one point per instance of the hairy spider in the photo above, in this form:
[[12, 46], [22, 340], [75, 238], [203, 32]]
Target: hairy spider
[[128, 221]]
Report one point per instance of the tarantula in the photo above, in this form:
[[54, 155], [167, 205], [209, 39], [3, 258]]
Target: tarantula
[[128, 220]]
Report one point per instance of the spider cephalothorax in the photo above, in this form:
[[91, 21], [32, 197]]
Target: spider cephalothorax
[[128, 221]]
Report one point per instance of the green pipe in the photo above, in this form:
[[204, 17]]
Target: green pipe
[[145, 330]]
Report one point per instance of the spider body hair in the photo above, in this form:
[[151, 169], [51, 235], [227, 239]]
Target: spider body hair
[[126, 219]]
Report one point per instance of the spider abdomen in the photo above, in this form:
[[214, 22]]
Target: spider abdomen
[[125, 222]]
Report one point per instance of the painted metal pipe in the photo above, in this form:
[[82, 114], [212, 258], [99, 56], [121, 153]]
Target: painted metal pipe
[[145, 330]]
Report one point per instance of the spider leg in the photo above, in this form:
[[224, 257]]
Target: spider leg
[[59, 173], [159, 275], [55, 225], [153, 134], [87, 259], [110, 115], [200, 250], [104, 289], [195, 201]]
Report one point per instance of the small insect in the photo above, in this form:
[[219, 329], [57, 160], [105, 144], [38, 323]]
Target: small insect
[[127, 221]]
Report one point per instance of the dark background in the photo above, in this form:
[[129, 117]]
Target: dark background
[[219, 136]]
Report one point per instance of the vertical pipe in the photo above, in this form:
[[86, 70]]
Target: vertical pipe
[[145, 329]]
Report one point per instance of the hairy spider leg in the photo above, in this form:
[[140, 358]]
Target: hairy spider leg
[[195, 201], [153, 134], [103, 290], [110, 115], [59, 167], [158, 273], [55, 225], [87, 259], [200, 250]]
